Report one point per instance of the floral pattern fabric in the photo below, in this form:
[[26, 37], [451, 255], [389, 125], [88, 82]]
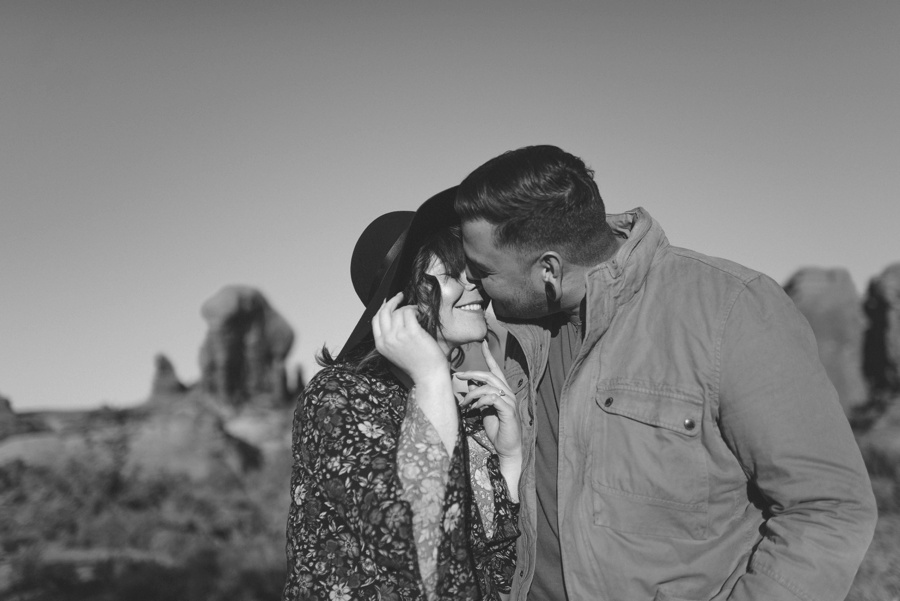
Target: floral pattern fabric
[[350, 532], [424, 468], [480, 451]]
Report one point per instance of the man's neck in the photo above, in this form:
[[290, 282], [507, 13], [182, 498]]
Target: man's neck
[[574, 305], [611, 245]]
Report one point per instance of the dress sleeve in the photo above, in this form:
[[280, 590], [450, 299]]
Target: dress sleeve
[[424, 467], [344, 534], [438, 487], [495, 515], [497, 555]]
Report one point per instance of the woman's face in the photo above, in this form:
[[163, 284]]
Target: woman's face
[[462, 309]]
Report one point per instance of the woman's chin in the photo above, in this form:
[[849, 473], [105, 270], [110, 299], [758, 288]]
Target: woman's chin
[[467, 338]]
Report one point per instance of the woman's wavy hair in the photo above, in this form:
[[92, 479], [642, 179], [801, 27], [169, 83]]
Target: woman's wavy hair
[[422, 290]]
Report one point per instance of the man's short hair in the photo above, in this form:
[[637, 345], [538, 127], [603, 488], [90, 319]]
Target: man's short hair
[[537, 198]]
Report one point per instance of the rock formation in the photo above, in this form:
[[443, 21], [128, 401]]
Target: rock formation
[[880, 447], [165, 380], [7, 418], [245, 347], [13, 424], [190, 439], [190, 488], [104, 501], [882, 342], [829, 301]]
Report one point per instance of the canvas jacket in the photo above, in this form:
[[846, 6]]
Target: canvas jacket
[[703, 453]]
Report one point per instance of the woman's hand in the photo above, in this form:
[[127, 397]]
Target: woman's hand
[[402, 341], [503, 428]]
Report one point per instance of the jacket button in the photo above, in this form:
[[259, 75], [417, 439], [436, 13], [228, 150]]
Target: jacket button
[[531, 421], [608, 402], [689, 424]]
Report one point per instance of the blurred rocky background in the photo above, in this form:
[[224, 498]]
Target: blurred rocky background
[[185, 496], [859, 344]]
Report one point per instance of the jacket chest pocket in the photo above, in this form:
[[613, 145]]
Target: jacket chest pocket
[[516, 379], [518, 382], [648, 468]]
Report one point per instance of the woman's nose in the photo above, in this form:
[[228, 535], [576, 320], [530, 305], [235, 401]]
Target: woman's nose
[[475, 285]]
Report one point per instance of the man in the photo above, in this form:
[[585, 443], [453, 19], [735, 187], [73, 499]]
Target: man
[[681, 439]]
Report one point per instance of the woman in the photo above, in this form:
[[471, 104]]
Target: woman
[[389, 500]]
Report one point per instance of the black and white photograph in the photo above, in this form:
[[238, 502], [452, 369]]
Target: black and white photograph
[[438, 301]]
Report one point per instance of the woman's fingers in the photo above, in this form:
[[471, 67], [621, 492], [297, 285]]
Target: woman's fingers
[[505, 409], [407, 316], [376, 326], [494, 377], [382, 320], [392, 302], [492, 364], [484, 391], [386, 320], [484, 377]]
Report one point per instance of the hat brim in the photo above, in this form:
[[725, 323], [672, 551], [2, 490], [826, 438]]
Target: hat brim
[[435, 213]]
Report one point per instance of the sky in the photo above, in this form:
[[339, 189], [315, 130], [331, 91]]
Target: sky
[[153, 152]]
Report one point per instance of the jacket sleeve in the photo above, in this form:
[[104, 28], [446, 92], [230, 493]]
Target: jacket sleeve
[[780, 416]]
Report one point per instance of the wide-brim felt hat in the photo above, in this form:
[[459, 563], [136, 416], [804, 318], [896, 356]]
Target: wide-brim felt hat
[[382, 259]]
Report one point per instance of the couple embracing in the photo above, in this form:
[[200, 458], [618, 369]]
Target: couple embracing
[[656, 424]]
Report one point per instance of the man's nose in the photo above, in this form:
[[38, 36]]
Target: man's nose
[[470, 276]]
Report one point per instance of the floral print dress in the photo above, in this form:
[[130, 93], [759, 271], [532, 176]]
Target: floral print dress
[[350, 531]]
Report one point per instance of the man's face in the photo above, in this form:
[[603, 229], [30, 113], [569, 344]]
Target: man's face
[[508, 278]]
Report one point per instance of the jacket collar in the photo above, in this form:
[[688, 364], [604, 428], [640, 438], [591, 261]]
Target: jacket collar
[[624, 274], [613, 283]]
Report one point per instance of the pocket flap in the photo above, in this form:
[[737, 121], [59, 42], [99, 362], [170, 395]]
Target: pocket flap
[[516, 379], [662, 407]]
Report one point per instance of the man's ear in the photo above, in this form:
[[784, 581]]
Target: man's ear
[[551, 265]]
